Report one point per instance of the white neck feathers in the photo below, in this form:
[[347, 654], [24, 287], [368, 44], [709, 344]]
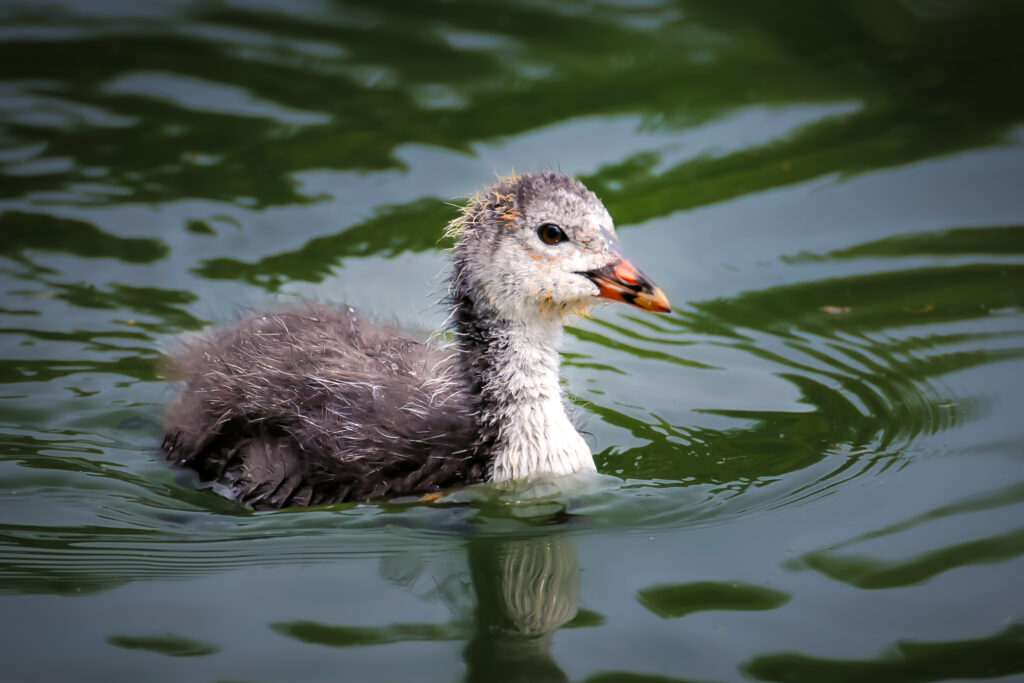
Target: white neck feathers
[[522, 403]]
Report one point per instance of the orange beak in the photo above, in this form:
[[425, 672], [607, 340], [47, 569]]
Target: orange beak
[[622, 282]]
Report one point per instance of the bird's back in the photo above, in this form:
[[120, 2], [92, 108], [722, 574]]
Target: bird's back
[[315, 404]]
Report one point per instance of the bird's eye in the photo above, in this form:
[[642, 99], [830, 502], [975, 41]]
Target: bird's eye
[[549, 233]]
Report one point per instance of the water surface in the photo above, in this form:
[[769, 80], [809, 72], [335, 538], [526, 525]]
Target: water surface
[[810, 471]]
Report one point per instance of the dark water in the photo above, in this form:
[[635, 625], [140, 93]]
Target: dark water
[[811, 471]]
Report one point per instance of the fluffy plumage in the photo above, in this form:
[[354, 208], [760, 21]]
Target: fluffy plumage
[[315, 404]]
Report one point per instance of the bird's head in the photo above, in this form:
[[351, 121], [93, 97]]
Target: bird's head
[[543, 244]]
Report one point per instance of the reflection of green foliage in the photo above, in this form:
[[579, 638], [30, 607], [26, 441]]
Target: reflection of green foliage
[[131, 361], [163, 304], [925, 84], [358, 636], [169, 644], [989, 500], [412, 226], [69, 577], [867, 572], [629, 677], [928, 88], [23, 231], [995, 656], [994, 241], [925, 87], [834, 340], [884, 300], [585, 618], [137, 367], [638, 350], [678, 600], [197, 227]]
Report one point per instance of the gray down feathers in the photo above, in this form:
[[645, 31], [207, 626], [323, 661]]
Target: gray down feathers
[[314, 404]]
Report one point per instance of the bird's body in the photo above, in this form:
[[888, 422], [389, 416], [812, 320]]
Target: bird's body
[[271, 402], [316, 404]]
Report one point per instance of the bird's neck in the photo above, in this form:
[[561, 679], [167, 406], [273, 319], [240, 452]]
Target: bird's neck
[[512, 367]]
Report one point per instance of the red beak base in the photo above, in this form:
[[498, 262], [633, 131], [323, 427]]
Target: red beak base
[[622, 282]]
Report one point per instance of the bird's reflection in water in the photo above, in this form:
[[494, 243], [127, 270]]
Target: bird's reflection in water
[[526, 588], [508, 594]]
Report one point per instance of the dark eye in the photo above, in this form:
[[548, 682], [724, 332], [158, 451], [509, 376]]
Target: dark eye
[[549, 233]]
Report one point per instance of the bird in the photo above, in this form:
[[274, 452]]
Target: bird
[[316, 404]]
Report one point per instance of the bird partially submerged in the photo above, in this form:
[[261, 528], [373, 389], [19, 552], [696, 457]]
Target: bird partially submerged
[[315, 404]]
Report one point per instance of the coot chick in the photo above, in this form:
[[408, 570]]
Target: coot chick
[[316, 404]]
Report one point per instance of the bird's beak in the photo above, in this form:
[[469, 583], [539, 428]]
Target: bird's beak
[[622, 282]]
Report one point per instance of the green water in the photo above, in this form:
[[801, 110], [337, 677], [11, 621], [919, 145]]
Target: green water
[[811, 471]]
